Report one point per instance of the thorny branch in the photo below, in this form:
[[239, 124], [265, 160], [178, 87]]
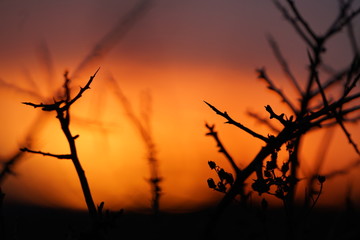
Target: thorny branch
[[330, 112], [264, 121], [62, 109], [221, 147], [237, 124], [262, 75], [59, 156]]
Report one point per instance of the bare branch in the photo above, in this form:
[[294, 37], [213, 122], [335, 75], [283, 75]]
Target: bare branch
[[59, 105], [342, 20], [45, 107], [315, 74], [239, 125], [81, 91], [221, 147], [301, 19], [8, 165], [348, 135], [294, 23], [280, 117], [19, 89], [286, 69], [352, 39], [264, 121], [109, 40], [335, 78], [262, 75], [59, 156]]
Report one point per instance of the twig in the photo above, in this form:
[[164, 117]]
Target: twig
[[300, 19], [264, 120], [59, 156], [342, 20], [239, 125], [221, 147], [280, 117], [111, 38], [283, 63], [62, 108], [316, 77], [262, 75], [293, 22]]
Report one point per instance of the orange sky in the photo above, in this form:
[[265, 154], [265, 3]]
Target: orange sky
[[181, 52]]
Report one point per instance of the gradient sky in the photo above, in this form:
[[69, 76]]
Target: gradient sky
[[181, 53]]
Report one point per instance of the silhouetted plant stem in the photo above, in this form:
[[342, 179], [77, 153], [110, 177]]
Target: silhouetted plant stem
[[221, 147], [62, 109]]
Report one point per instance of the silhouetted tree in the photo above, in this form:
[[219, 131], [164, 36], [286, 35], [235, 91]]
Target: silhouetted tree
[[280, 180]]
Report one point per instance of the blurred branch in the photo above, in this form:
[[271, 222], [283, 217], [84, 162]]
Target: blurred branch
[[343, 19], [315, 74], [145, 131], [8, 165], [46, 63], [352, 39], [283, 63], [344, 170], [109, 41], [263, 75], [18, 89], [294, 23]]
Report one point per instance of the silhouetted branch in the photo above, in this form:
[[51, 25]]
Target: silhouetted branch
[[294, 23], [283, 63], [239, 125], [280, 117], [316, 77], [348, 135], [334, 79], [262, 75], [81, 91], [62, 108], [264, 121], [59, 156], [221, 147], [342, 20], [307, 116]]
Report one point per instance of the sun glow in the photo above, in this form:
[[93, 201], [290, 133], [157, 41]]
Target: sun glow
[[113, 154]]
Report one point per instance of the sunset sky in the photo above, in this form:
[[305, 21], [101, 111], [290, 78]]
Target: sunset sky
[[178, 52]]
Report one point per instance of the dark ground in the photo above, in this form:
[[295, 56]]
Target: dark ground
[[29, 222]]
